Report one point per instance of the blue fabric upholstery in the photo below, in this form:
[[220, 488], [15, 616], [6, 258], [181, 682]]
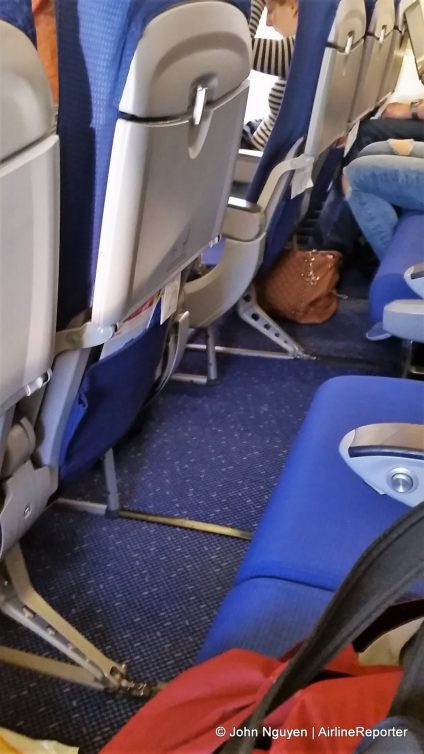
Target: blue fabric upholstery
[[319, 520], [315, 22], [264, 615], [19, 14], [317, 487], [108, 403], [406, 249], [96, 45], [369, 8]]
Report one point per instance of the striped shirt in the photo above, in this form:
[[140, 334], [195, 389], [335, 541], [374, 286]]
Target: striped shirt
[[271, 56]]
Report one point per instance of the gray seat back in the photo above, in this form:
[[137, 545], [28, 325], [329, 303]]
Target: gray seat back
[[338, 77], [400, 40], [29, 248], [378, 45], [174, 151], [28, 216], [414, 16]]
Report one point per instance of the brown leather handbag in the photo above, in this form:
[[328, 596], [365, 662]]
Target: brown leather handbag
[[302, 286]]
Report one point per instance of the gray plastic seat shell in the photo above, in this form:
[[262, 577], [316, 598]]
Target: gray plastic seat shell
[[378, 45], [29, 217], [26, 113], [157, 217]]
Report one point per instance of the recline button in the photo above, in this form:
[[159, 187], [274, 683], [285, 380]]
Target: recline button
[[402, 482]]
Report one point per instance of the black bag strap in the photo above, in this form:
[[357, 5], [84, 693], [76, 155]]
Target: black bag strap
[[399, 614], [381, 575]]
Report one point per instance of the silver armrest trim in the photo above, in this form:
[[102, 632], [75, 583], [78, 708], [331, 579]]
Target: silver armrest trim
[[389, 458], [401, 440], [405, 319], [414, 277]]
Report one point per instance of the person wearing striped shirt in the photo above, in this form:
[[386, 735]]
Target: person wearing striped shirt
[[272, 56]]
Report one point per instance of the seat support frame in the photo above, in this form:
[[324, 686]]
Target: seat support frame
[[88, 666], [250, 312], [210, 348], [113, 508]]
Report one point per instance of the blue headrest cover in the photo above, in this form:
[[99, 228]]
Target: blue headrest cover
[[96, 41], [19, 14], [315, 22]]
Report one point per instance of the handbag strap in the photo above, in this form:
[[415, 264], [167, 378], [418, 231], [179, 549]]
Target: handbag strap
[[396, 615], [381, 575]]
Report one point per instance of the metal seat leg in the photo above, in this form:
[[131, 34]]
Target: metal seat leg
[[88, 666]]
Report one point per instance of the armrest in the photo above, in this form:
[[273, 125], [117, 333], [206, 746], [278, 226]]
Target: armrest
[[247, 162], [389, 458], [414, 276], [293, 170], [243, 221], [405, 319], [294, 166]]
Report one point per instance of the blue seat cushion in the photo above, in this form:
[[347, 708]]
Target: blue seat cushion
[[264, 615], [321, 515], [110, 397], [406, 249]]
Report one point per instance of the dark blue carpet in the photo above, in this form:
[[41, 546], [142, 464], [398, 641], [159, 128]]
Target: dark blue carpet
[[341, 339], [214, 453], [143, 594], [147, 594]]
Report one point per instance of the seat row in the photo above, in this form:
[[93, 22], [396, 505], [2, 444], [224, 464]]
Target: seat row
[[91, 324], [152, 97], [306, 126]]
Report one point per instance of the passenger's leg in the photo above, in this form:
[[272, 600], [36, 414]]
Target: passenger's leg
[[378, 184], [337, 227]]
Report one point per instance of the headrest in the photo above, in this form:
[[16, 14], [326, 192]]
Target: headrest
[[26, 106], [201, 49], [96, 42], [19, 14]]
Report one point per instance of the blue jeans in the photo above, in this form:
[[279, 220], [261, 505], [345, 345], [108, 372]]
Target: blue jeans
[[381, 182], [336, 227]]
